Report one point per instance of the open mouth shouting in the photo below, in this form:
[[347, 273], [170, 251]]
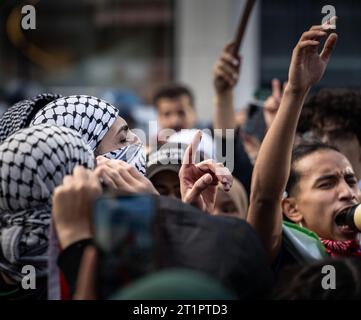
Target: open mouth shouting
[[343, 223]]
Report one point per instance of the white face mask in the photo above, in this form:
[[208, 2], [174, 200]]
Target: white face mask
[[133, 154]]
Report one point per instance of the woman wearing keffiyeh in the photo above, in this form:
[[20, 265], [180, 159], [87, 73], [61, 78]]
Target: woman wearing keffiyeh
[[33, 162], [99, 124], [20, 114]]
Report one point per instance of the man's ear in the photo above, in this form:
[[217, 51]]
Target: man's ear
[[290, 210]]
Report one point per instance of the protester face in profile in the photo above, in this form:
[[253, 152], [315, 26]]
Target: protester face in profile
[[326, 185], [118, 136], [99, 124]]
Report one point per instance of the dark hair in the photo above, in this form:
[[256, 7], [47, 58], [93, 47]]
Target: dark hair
[[173, 91], [306, 282], [339, 106], [301, 150]]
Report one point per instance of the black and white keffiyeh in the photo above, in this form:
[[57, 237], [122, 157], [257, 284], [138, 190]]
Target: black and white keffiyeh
[[90, 116], [20, 114], [33, 161], [133, 154]]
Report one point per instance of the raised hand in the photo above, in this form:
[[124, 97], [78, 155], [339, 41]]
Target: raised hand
[[272, 103], [226, 70], [122, 177], [273, 165], [307, 64], [198, 182], [72, 205]]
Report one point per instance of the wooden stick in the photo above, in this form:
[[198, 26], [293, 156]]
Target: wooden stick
[[242, 26]]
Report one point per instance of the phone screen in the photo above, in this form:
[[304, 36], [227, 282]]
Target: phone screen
[[125, 236]]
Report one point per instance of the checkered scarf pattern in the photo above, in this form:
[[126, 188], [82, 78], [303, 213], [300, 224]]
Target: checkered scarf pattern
[[19, 115], [90, 116], [33, 161], [133, 154]]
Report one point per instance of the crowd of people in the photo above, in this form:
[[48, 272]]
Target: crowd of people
[[203, 213]]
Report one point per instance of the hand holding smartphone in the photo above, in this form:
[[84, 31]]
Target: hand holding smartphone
[[125, 234]]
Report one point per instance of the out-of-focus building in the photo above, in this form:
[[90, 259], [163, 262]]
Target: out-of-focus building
[[88, 46]]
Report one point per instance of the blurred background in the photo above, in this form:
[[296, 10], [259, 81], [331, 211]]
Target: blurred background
[[122, 50]]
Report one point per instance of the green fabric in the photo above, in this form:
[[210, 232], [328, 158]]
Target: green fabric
[[4, 294], [175, 284], [302, 243]]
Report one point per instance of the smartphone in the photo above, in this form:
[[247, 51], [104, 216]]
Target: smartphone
[[126, 236]]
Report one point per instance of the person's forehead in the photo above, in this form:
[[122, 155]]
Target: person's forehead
[[181, 101], [323, 162], [120, 121], [332, 128]]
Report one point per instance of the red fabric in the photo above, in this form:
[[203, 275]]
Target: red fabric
[[342, 248], [64, 288]]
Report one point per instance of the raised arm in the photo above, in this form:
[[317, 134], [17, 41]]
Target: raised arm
[[225, 77], [272, 167]]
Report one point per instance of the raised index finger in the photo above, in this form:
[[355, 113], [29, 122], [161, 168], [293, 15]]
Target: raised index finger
[[276, 89], [190, 153]]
